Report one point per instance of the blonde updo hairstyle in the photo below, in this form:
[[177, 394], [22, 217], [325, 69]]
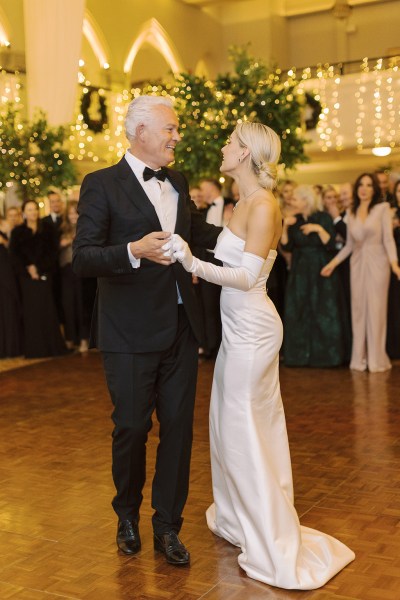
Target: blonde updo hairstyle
[[265, 149]]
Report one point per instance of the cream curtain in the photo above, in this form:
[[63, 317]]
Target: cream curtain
[[53, 37]]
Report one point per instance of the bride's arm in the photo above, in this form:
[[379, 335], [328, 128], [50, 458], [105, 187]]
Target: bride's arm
[[260, 235]]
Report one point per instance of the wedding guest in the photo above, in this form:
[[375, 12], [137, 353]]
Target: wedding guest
[[13, 218], [393, 323], [10, 314], [373, 252], [318, 189], [54, 219], [209, 292], [198, 198], [56, 210], [286, 191], [383, 180], [315, 331], [278, 277], [345, 196], [77, 324], [33, 247], [333, 202]]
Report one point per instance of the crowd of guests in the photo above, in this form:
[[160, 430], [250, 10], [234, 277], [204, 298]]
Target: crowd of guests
[[342, 290], [335, 282], [45, 309]]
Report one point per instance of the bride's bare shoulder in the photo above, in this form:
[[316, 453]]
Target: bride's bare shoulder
[[266, 202]]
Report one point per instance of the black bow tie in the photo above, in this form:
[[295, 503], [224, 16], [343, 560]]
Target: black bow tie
[[160, 174]]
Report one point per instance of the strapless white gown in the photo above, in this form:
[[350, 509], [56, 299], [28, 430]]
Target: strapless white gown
[[251, 470]]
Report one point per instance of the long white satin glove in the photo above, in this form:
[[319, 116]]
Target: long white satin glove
[[180, 251], [169, 250], [241, 278]]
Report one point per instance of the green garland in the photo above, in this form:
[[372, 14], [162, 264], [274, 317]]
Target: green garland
[[209, 111], [316, 109], [33, 155], [95, 125]]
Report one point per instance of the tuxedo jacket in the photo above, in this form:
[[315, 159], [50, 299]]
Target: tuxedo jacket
[[135, 310], [56, 225], [341, 227]]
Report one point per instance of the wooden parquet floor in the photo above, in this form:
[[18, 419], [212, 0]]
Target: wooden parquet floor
[[57, 528]]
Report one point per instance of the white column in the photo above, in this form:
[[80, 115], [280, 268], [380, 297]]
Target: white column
[[53, 37]]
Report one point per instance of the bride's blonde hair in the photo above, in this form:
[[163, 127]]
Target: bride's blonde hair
[[265, 149]]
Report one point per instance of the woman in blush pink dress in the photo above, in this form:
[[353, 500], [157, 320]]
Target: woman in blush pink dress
[[373, 253]]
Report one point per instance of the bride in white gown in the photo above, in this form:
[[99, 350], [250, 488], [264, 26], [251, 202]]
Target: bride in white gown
[[251, 470]]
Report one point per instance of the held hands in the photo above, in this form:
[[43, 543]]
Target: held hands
[[181, 251], [151, 246]]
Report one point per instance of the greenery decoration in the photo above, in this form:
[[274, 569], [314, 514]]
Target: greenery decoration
[[99, 123], [209, 111], [312, 112], [33, 154]]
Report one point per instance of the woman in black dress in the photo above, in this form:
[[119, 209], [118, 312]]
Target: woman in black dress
[[77, 293], [33, 247], [393, 323], [10, 315]]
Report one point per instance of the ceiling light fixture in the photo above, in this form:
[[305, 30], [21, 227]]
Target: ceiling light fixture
[[381, 151]]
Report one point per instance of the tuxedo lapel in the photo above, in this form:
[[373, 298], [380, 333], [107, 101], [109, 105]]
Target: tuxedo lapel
[[136, 194]]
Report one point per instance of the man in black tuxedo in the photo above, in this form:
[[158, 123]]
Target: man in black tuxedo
[[56, 209], [55, 219], [146, 323], [210, 292]]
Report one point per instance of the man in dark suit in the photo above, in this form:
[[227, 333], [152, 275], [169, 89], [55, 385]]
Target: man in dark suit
[[209, 292], [383, 179], [146, 322], [55, 219], [56, 209]]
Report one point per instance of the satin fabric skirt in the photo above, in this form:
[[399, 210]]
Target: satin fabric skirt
[[251, 469]]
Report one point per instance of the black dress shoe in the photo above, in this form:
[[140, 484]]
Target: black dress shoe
[[170, 545], [128, 538]]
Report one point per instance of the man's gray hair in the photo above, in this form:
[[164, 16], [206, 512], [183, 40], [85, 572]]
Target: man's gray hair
[[139, 112]]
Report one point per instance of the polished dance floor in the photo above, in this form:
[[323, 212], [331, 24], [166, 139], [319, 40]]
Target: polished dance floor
[[57, 528]]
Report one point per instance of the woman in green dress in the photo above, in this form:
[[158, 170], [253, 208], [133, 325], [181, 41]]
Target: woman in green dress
[[314, 320]]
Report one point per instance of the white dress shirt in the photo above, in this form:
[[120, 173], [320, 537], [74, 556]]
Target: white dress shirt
[[215, 212], [161, 194], [163, 197]]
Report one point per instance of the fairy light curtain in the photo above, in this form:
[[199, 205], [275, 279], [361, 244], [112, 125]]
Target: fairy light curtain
[[360, 109]]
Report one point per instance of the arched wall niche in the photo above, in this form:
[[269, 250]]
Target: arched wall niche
[[96, 39], [154, 35]]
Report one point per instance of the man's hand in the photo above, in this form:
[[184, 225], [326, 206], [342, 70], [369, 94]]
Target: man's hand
[[33, 272], [151, 247]]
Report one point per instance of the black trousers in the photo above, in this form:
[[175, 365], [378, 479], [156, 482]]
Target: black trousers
[[139, 384]]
